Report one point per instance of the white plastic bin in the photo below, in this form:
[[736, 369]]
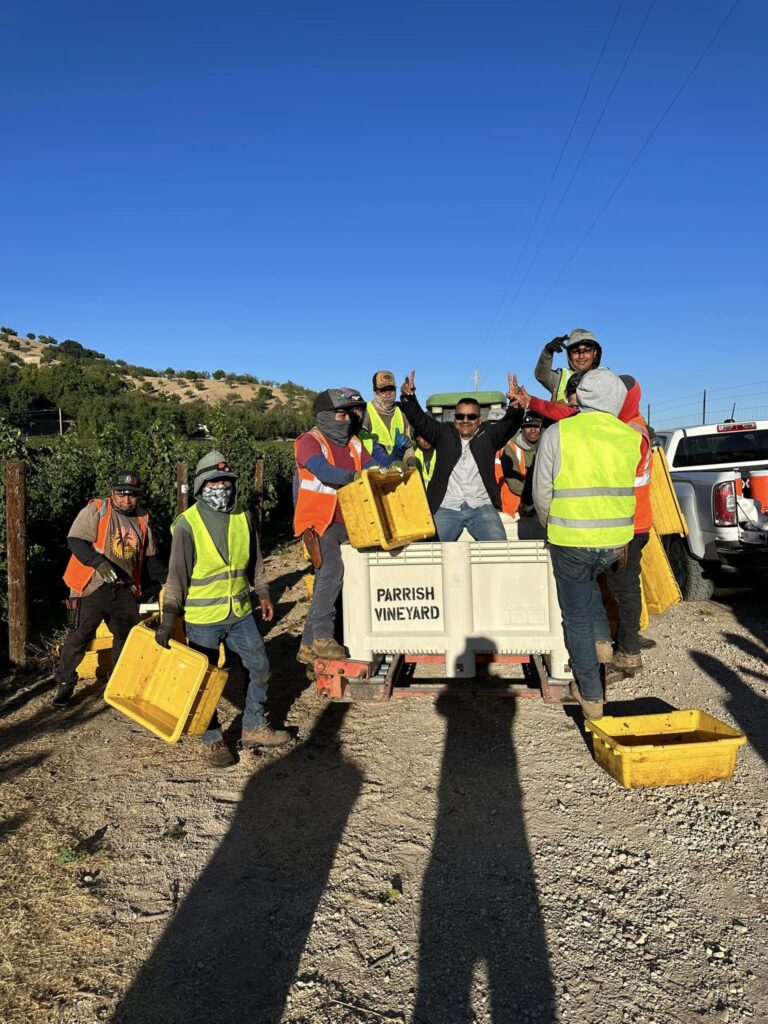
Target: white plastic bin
[[455, 600]]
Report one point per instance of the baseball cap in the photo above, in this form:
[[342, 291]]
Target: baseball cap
[[336, 399], [384, 379], [126, 481]]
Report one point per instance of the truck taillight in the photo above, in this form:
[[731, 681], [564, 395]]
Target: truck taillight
[[724, 504]]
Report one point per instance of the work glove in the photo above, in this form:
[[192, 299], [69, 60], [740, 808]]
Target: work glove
[[165, 630], [401, 444], [106, 570], [399, 465], [556, 345]]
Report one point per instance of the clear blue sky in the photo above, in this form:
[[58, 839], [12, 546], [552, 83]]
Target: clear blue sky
[[315, 190]]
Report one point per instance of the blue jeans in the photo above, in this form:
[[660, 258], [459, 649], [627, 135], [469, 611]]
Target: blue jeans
[[581, 603], [483, 523], [243, 639]]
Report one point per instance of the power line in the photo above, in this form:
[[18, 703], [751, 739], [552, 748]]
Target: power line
[[714, 391], [552, 177], [626, 173]]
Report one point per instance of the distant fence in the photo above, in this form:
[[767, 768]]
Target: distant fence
[[717, 414]]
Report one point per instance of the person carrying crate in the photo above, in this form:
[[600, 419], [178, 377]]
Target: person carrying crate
[[215, 561], [110, 541], [327, 458]]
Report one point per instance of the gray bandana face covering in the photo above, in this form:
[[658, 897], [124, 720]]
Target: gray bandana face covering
[[220, 499], [338, 431]]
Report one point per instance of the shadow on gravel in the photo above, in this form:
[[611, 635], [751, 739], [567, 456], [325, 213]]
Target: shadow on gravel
[[232, 951], [50, 720], [749, 709], [479, 906]]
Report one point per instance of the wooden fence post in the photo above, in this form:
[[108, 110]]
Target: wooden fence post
[[182, 487], [258, 486], [16, 529]]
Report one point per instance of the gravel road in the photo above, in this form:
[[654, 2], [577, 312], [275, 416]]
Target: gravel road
[[425, 861]]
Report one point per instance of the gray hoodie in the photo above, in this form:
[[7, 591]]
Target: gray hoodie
[[600, 390]]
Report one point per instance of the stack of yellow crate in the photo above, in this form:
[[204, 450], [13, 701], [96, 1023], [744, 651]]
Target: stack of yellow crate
[[659, 586]]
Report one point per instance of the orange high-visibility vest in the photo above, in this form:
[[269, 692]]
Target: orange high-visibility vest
[[509, 501], [77, 575], [316, 501], [643, 510]]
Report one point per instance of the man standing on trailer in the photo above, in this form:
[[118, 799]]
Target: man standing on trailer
[[384, 419], [583, 351]]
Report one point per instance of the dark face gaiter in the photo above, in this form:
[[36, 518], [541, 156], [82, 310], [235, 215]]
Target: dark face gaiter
[[338, 431]]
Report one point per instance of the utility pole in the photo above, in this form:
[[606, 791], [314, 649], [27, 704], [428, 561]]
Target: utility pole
[[476, 378], [704, 408], [648, 414]]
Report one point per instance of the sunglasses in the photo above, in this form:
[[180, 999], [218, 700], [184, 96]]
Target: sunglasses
[[466, 416], [582, 348]]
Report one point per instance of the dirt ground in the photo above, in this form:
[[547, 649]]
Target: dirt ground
[[534, 888]]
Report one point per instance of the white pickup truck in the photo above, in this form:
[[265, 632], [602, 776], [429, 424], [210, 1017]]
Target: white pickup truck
[[728, 531]]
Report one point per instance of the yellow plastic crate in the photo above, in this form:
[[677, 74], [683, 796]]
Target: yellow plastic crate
[[667, 515], [659, 585], [386, 510], [309, 583], [95, 664], [665, 750], [103, 632], [170, 691]]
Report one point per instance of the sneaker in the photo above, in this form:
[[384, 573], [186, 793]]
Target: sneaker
[[631, 663], [266, 736], [305, 655], [218, 754], [326, 647], [645, 643], [604, 651], [63, 695], [591, 708]]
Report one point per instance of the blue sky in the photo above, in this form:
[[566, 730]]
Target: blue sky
[[315, 190]]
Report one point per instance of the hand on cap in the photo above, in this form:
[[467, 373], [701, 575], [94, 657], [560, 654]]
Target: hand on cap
[[556, 345], [409, 387]]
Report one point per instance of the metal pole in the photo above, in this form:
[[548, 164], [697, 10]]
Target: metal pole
[[704, 408], [648, 416], [182, 487], [258, 486], [61, 424], [16, 528]]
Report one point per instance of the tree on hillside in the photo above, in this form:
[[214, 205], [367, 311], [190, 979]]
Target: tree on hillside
[[218, 375]]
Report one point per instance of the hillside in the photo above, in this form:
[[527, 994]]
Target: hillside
[[39, 376]]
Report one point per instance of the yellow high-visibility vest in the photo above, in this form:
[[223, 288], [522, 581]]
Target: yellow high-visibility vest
[[384, 435], [564, 377], [426, 470], [217, 588]]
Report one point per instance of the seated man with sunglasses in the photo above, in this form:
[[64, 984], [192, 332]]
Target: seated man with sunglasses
[[463, 492]]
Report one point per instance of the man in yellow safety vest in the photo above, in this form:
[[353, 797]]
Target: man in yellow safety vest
[[215, 562], [584, 494], [384, 419], [583, 351]]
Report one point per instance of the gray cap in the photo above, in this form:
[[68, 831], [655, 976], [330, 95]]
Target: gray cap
[[212, 466]]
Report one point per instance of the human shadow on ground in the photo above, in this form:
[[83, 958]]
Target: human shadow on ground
[[50, 720], [749, 709], [479, 905], [233, 948]]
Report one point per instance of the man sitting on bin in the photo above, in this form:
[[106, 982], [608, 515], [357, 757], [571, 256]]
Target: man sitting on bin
[[327, 457], [215, 561], [110, 541], [584, 494], [463, 491]]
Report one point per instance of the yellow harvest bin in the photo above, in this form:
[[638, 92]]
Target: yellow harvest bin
[[309, 583], [667, 515], [170, 691], [666, 749], [386, 510], [659, 585], [95, 664]]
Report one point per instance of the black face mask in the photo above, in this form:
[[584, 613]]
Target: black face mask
[[338, 431]]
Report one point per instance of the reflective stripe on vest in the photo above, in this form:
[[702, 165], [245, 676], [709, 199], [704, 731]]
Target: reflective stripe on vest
[[427, 471], [316, 501], [77, 575], [510, 502], [593, 503], [217, 588], [379, 430], [560, 390], [643, 509]]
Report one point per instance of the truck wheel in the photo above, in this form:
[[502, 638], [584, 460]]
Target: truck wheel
[[689, 573]]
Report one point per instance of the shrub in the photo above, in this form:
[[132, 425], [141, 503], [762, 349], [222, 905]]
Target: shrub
[[31, 336]]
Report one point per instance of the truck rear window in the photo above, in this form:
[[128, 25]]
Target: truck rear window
[[722, 449]]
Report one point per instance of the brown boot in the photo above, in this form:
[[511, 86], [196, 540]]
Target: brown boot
[[630, 663], [326, 647], [218, 755], [591, 708], [265, 736], [604, 651], [305, 655]]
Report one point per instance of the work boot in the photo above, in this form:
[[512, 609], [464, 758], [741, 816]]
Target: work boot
[[326, 647], [604, 651], [645, 643], [591, 708], [305, 655], [630, 663], [265, 736], [218, 755], [63, 695]]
